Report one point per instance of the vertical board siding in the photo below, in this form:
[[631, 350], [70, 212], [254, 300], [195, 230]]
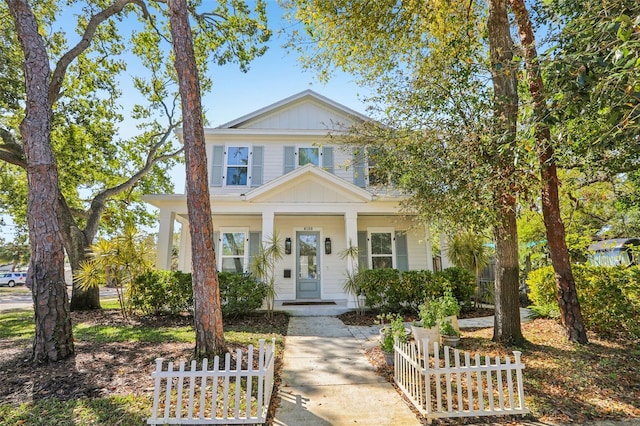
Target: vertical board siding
[[215, 396]]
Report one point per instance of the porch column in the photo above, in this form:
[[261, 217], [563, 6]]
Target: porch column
[[165, 239], [429, 247], [184, 256], [268, 216], [444, 251], [351, 233]]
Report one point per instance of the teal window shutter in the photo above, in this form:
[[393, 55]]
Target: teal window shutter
[[402, 255], [217, 165], [358, 168], [257, 166], [363, 255], [289, 158], [327, 158], [254, 246]]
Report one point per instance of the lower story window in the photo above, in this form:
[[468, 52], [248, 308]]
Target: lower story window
[[381, 249], [234, 251]]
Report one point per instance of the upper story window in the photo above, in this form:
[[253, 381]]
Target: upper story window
[[298, 156], [237, 165]]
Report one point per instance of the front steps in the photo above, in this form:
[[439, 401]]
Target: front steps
[[312, 308]]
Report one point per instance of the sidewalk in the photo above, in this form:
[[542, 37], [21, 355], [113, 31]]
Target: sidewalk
[[327, 380]]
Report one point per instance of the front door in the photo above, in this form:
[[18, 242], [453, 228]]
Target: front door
[[308, 265]]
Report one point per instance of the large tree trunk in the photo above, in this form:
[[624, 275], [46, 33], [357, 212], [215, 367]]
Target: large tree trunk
[[53, 340], [507, 326], [567, 295], [206, 291]]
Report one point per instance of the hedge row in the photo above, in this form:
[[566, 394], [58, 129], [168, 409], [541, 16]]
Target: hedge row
[[609, 296], [390, 290], [162, 292]]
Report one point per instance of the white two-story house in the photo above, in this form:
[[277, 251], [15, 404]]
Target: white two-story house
[[277, 170]]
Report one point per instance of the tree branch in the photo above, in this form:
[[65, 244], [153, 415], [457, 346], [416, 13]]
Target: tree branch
[[10, 150], [57, 77], [99, 201]]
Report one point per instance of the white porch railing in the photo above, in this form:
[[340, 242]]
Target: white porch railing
[[216, 396], [442, 387]]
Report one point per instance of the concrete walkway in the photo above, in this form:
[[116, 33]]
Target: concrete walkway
[[327, 380]]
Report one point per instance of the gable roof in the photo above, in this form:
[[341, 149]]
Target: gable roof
[[305, 175], [280, 106]]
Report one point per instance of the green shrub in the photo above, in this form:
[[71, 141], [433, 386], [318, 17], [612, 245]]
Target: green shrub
[[609, 296], [462, 283], [171, 292], [389, 290], [161, 292], [542, 286], [378, 287], [240, 293]]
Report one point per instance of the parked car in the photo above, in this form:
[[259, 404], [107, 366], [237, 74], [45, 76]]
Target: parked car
[[615, 252], [12, 279]]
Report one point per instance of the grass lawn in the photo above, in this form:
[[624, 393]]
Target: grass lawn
[[108, 382]]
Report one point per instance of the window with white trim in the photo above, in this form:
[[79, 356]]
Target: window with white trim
[[381, 248], [234, 250], [237, 166]]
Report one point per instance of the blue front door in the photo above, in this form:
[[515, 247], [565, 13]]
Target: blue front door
[[308, 265]]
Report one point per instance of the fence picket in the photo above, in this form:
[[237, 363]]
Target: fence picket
[[192, 389], [180, 384], [214, 387], [447, 367], [467, 364], [168, 398], [519, 380], [500, 384], [509, 383], [479, 383]]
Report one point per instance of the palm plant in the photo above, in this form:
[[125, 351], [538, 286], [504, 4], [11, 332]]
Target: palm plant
[[116, 263], [264, 263], [467, 250], [352, 284]]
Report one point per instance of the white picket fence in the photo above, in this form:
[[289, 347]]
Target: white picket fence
[[440, 388], [217, 396]]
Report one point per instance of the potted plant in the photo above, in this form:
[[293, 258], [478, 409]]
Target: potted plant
[[449, 335], [389, 332], [449, 310], [428, 327]]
